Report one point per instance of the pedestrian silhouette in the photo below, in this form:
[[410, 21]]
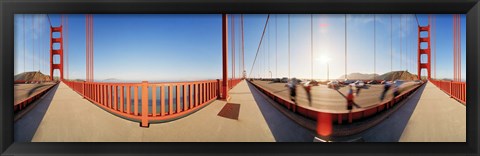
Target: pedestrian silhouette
[[350, 98], [292, 86], [386, 87], [307, 86]]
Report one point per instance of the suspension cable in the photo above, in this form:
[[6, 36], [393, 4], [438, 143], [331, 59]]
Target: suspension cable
[[374, 46], [289, 46], [259, 44], [311, 44], [391, 43], [345, 46], [24, 47], [276, 46], [33, 43]]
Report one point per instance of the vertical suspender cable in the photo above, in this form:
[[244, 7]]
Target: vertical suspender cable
[[276, 45], [459, 48], [243, 48], [345, 46], [455, 48], [268, 49], [24, 49], [374, 47], [311, 44], [289, 46], [33, 43], [391, 43], [401, 29], [233, 46]]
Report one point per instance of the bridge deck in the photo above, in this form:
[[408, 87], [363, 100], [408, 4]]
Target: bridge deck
[[64, 116], [70, 118]]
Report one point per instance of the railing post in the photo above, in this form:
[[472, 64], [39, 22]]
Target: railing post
[[83, 89], [144, 122], [324, 125], [450, 90], [218, 88]]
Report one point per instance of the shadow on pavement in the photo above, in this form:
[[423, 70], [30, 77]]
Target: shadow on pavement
[[282, 128], [26, 126], [33, 90], [391, 129]]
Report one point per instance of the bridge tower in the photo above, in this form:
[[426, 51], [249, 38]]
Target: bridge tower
[[425, 51], [54, 52]]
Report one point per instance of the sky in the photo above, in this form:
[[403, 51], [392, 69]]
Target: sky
[[188, 47]]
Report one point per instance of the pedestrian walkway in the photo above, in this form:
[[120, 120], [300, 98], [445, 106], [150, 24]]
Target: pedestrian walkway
[[70, 118], [428, 115], [437, 118]]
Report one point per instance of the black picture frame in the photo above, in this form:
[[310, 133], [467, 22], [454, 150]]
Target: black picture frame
[[10, 7]]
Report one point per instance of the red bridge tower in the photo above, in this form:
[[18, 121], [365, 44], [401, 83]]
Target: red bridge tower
[[58, 51], [425, 51]]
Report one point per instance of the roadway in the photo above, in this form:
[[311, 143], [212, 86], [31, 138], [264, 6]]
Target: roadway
[[324, 98], [23, 91]]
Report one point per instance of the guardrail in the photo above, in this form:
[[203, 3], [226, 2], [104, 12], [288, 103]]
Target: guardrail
[[456, 90], [327, 117], [28, 82], [164, 101], [24, 103]]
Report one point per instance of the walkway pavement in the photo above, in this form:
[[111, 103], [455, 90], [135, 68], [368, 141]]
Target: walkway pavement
[[429, 115], [70, 118], [437, 118]]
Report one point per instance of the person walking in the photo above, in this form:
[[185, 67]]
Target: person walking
[[350, 98], [307, 86], [292, 85], [386, 87]]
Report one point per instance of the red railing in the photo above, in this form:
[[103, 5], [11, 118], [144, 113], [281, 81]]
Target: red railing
[[456, 90], [233, 82], [164, 101], [22, 104]]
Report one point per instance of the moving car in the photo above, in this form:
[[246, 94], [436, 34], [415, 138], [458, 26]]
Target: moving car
[[359, 84], [333, 84], [277, 80], [373, 82], [284, 80]]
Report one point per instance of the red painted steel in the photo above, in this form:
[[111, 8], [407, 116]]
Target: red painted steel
[[24, 103], [54, 52], [93, 89], [424, 51], [456, 90], [224, 94]]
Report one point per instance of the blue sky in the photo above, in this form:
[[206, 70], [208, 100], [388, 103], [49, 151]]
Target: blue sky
[[188, 47]]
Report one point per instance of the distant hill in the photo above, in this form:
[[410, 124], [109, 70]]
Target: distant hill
[[395, 75], [359, 76], [112, 80], [32, 76], [398, 75]]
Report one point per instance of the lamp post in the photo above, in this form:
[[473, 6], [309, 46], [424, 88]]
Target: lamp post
[[325, 59], [328, 72]]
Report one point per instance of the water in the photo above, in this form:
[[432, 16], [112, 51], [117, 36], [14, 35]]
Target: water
[[159, 92]]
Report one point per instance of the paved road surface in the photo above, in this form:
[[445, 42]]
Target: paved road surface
[[23, 91], [330, 99]]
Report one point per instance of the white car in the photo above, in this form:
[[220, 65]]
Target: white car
[[359, 84], [333, 84]]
